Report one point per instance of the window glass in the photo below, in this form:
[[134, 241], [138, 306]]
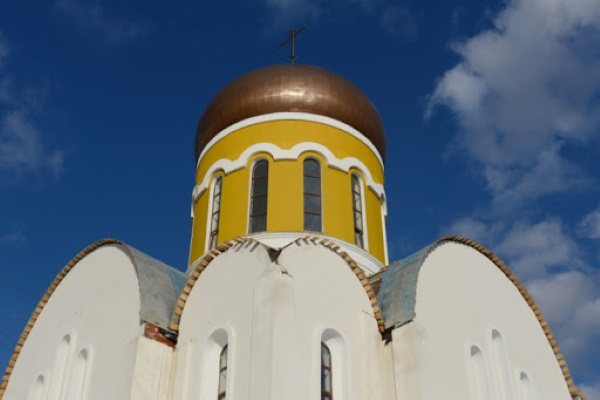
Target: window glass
[[312, 185], [258, 201], [326, 389], [357, 209], [215, 213], [312, 195], [222, 388], [259, 205], [259, 223]]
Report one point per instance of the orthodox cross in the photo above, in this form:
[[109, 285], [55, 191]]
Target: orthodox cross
[[291, 40]]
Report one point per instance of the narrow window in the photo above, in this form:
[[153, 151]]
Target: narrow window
[[37, 391], [222, 374], [215, 212], [502, 367], [326, 390], [78, 376], [312, 195], [59, 372], [358, 212], [258, 207], [479, 375], [527, 391]]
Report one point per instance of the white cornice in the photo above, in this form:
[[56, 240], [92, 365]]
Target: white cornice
[[226, 165], [298, 116]]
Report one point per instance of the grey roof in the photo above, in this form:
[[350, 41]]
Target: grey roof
[[160, 286], [398, 288]]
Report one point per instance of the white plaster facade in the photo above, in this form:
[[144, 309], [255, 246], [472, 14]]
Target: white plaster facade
[[470, 333], [95, 309], [466, 311], [274, 316]]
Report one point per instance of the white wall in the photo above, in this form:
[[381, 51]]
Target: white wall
[[274, 318], [461, 298], [97, 306], [152, 378]]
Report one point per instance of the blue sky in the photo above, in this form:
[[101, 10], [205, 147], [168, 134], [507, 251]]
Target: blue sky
[[492, 113]]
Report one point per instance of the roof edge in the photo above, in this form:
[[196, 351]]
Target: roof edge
[[203, 263], [562, 362], [42, 303]]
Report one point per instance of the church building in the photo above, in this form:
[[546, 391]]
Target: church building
[[289, 292]]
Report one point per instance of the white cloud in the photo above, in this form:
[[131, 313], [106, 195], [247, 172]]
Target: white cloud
[[474, 228], [570, 301], [534, 250], [524, 89], [590, 225], [91, 15], [525, 93], [23, 151], [559, 295]]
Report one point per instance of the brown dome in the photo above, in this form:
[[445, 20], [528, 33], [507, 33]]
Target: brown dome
[[288, 87]]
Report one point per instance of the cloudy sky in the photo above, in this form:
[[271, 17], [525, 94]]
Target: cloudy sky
[[492, 112]]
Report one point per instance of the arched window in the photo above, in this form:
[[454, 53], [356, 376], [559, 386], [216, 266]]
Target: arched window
[[38, 389], [326, 387], [357, 208], [222, 374], [258, 202], [76, 390], [59, 372], [312, 195], [480, 379], [501, 365], [527, 391], [215, 212]]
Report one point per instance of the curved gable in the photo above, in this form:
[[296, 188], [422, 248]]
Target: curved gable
[[149, 291], [203, 263], [398, 284]]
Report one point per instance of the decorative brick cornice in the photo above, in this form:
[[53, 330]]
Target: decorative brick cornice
[[195, 274], [212, 254], [360, 275]]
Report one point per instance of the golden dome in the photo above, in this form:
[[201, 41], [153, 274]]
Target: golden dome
[[291, 87]]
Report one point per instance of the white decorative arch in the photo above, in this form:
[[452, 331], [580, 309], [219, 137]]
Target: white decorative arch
[[293, 116], [79, 377], [479, 374], [339, 361], [278, 153], [62, 362], [38, 390], [208, 356], [501, 366], [526, 387]]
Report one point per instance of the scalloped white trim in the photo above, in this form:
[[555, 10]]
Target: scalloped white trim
[[226, 165], [298, 116]]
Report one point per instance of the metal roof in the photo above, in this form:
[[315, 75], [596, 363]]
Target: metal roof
[[160, 285], [398, 288]]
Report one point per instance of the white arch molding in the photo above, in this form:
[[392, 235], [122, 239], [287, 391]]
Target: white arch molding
[[278, 154], [208, 355], [339, 362], [290, 116], [38, 390]]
